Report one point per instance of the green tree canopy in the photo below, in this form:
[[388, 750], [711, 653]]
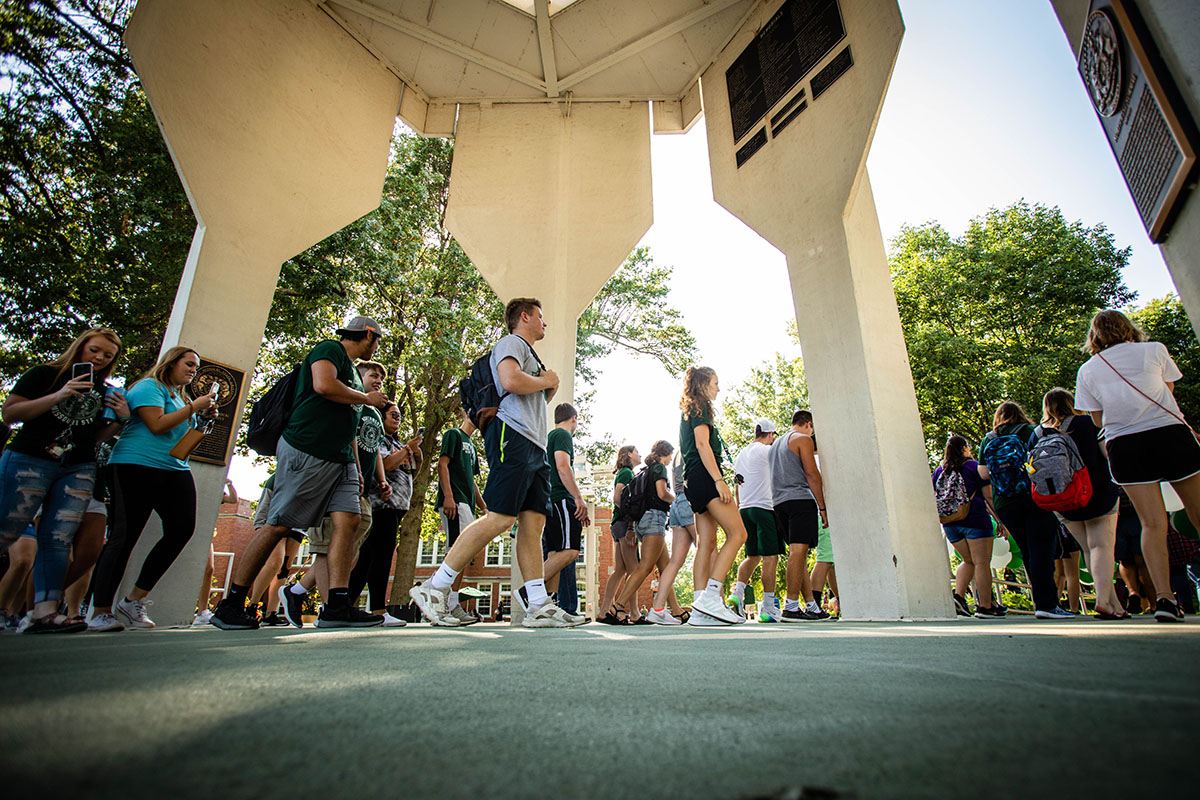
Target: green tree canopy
[[1164, 320], [999, 313]]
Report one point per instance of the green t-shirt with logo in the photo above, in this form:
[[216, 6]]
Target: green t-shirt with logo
[[370, 438], [559, 441], [322, 428], [687, 441], [624, 477], [463, 467]]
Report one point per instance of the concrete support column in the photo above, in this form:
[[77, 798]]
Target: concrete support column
[[279, 126], [548, 201], [807, 192]]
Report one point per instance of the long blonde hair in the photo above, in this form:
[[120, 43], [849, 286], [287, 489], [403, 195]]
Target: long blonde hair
[[695, 402], [1110, 327], [69, 356], [161, 371]]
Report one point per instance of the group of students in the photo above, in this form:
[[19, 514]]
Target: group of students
[[1120, 433]]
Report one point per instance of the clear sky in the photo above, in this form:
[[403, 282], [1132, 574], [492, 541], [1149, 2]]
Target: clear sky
[[985, 108]]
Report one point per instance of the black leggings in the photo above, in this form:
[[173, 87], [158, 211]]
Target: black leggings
[[375, 557], [1036, 532], [136, 491]]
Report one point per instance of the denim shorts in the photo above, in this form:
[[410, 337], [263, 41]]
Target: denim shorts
[[681, 514], [652, 523], [956, 533]]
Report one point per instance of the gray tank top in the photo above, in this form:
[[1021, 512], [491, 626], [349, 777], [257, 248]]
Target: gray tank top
[[677, 474], [788, 481]]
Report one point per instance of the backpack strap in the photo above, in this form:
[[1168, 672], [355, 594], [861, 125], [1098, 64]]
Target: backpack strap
[[1182, 421]]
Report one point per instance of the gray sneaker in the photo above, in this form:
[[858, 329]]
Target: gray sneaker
[[433, 605], [102, 623], [463, 616], [549, 616]]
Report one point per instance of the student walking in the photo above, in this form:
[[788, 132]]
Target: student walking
[[563, 533], [147, 478], [458, 496], [708, 494], [624, 547], [1128, 388], [798, 495], [651, 529], [682, 522], [518, 485], [764, 538], [51, 461]]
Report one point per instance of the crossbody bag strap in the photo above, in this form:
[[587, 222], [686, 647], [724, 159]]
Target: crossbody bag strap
[[1143, 394]]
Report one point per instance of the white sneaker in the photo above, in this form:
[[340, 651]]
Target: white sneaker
[[701, 620], [663, 617], [25, 622], [105, 622], [549, 616], [769, 612], [463, 616], [135, 612], [392, 622], [433, 605], [712, 606], [203, 618]]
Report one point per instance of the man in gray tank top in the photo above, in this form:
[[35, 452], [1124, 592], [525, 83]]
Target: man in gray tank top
[[799, 500]]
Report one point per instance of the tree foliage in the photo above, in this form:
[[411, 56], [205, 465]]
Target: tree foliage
[[1165, 320], [999, 313], [774, 390]]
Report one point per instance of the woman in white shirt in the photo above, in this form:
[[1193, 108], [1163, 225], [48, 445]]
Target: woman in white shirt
[[1127, 385]]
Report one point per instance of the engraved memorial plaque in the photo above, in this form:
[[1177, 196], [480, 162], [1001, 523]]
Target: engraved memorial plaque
[[217, 445], [1148, 127], [752, 146]]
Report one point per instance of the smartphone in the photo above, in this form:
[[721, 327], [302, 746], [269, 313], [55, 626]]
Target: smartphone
[[214, 389], [83, 370], [421, 431]]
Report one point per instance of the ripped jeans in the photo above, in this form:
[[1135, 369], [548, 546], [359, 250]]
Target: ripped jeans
[[62, 493]]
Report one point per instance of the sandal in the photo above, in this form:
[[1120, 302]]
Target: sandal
[[1105, 615], [683, 616], [55, 623]]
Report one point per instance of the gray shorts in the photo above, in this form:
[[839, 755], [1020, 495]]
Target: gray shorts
[[308, 488]]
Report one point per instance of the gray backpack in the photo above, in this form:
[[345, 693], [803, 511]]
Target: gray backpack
[[1057, 474]]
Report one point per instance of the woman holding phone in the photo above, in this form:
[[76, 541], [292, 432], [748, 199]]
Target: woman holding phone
[[51, 462], [145, 477]]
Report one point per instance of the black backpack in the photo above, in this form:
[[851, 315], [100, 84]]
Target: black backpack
[[635, 496], [479, 395], [270, 414]]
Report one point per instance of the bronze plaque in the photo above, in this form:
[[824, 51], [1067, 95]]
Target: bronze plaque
[[1147, 125], [794, 40], [217, 445]]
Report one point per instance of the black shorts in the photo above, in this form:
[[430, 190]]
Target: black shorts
[[700, 489], [518, 475], [1159, 454], [295, 535], [563, 530], [800, 521], [1129, 538], [1066, 545]]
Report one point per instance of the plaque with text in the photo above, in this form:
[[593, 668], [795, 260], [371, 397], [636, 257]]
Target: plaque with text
[[752, 146], [790, 44], [1148, 127], [217, 444]]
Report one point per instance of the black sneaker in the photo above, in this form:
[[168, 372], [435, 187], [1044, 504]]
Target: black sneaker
[[348, 617], [291, 605], [795, 616], [960, 606], [988, 613], [1167, 611], [273, 620], [819, 615], [233, 617]]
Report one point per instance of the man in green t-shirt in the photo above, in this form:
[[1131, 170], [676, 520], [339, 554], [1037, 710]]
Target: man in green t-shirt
[[316, 475], [457, 497], [563, 533]]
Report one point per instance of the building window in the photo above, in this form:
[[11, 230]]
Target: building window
[[430, 552], [505, 599], [581, 559], [499, 553], [483, 606]]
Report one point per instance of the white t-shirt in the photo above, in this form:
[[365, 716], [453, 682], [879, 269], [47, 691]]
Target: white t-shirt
[[752, 464], [1148, 366]]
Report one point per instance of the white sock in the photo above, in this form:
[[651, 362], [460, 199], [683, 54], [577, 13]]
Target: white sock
[[769, 597], [714, 587], [812, 606], [739, 591], [297, 589], [791, 605], [535, 594], [443, 579], [452, 600]]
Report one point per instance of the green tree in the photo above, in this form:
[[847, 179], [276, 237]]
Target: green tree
[[1165, 320], [999, 313], [774, 390]]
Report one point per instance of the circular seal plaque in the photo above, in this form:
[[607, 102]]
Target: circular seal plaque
[[1100, 63], [207, 375]]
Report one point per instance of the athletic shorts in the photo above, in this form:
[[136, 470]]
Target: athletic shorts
[[763, 536], [320, 536], [463, 517], [308, 489], [563, 531], [800, 521], [97, 507], [700, 489], [264, 508], [618, 529], [518, 475], [824, 546], [681, 514], [1163, 454], [652, 523], [1129, 538], [1065, 545], [956, 533]]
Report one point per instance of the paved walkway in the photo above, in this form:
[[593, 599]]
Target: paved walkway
[[966, 709]]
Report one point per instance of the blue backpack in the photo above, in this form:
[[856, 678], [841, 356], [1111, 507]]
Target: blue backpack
[[1006, 457]]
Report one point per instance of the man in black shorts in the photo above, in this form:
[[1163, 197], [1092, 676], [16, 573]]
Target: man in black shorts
[[799, 500], [568, 513], [457, 498]]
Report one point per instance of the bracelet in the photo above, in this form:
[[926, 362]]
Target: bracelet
[[820, 509]]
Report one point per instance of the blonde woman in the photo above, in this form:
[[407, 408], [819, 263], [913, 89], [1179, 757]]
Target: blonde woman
[[1128, 388], [146, 478], [708, 494], [51, 462]]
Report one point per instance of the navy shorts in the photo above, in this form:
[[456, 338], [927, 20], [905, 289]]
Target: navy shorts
[[518, 475]]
